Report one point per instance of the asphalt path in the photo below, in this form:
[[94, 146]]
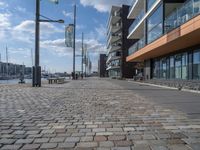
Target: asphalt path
[[186, 102]]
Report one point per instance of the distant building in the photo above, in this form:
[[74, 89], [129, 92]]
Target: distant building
[[13, 70], [102, 65], [118, 44]]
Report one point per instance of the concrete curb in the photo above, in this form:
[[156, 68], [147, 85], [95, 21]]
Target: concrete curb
[[166, 87]]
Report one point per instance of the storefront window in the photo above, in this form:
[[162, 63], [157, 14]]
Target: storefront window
[[178, 66], [196, 65], [172, 67], [163, 68], [154, 25], [156, 69], [184, 66]]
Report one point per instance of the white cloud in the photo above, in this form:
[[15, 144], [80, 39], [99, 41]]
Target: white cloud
[[26, 29], [3, 4], [5, 24], [21, 9], [104, 5], [68, 15], [58, 46]]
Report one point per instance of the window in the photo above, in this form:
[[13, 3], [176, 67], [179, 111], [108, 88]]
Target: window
[[163, 68], [156, 68], [172, 73], [150, 3], [196, 65], [154, 25], [178, 66], [184, 66]]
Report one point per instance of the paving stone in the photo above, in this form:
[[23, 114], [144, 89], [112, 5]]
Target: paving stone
[[155, 147], [122, 143], [31, 146], [106, 144], [7, 141], [99, 130], [57, 140], [66, 145], [87, 139], [11, 147], [100, 138], [179, 147], [48, 145], [87, 144], [24, 141], [41, 140], [72, 139], [121, 148], [116, 138]]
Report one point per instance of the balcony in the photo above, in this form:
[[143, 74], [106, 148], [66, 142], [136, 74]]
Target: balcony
[[182, 14], [115, 16], [136, 21], [181, 30], [113, 38], [136, 7], [136, 46], [137, 28]]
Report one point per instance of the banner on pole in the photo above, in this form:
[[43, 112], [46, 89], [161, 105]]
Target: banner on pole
[[69, 32]]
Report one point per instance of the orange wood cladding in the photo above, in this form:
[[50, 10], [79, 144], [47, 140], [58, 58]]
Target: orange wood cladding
[[186, 35]]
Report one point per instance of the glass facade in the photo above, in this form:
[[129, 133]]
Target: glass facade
[[196, 65], [155, 25], [184, 66], [150, 3]]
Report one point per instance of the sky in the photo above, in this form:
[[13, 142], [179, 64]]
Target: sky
[[17, 31]]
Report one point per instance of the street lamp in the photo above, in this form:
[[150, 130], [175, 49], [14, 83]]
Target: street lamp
[[37, 68]]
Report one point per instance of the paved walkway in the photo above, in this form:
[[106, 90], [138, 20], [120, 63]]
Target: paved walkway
[[91, 114]]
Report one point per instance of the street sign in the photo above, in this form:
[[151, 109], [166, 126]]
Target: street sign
[[69, 30]]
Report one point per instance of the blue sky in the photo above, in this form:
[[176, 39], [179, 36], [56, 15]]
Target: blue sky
[[17, 31]]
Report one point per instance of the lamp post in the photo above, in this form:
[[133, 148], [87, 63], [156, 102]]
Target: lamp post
[[37, 68], [74, 44]]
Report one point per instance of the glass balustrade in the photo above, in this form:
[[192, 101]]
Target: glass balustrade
[[132, 4], [181, 15], [136, 21], [188, 10], [138, 45]]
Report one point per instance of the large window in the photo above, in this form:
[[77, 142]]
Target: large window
[[156, 68], [154, 25], [196, 65], [178, 66], [172, 71], [185, 66], [163, 64], [150, 3]]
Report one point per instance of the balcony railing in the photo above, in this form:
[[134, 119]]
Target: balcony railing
[[138, 45], [188, 10], [132, 4], [181, 15], [136, 21]]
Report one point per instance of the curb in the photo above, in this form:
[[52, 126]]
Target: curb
[[166, 87]]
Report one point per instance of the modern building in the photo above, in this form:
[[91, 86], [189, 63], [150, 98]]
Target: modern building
[[168, 38], [118, 44], [102, 72], [13, 70]]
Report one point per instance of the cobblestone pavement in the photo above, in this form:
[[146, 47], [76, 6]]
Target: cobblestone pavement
[[90, 114]]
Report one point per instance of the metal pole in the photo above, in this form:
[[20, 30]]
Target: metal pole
[[7, 62], [82, 52], [74, 45], [36, 74], [85, 60]]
